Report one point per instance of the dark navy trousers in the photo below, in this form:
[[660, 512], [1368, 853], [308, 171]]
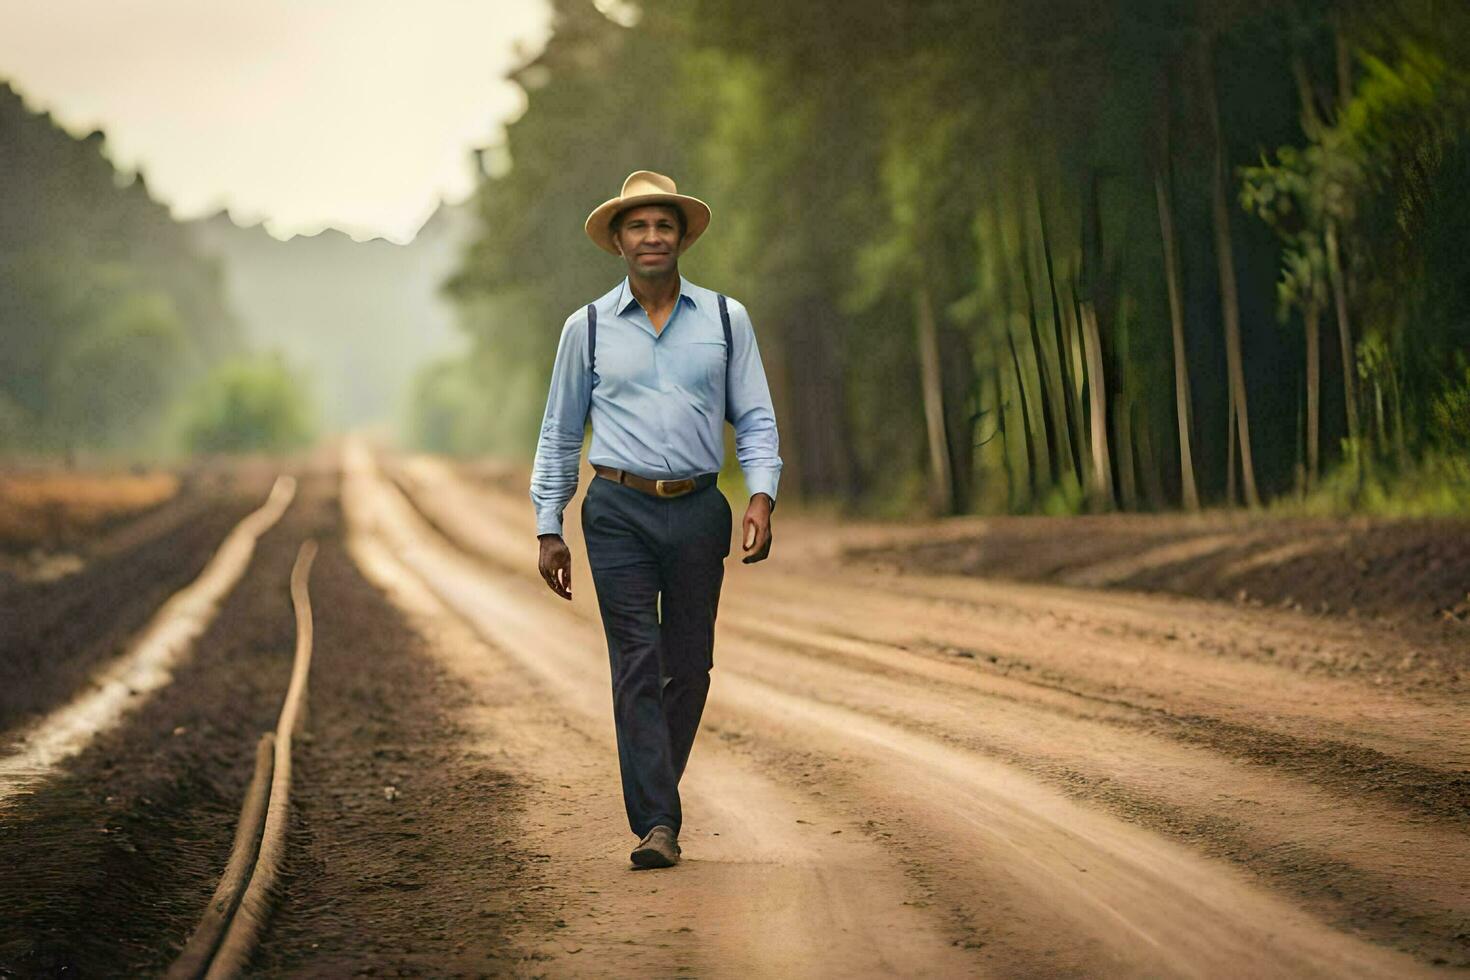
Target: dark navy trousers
[[658, 564]]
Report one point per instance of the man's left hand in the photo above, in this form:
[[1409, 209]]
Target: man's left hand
[[756, 529]]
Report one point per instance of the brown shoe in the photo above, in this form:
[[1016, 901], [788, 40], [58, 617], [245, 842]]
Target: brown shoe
[[659, 849]]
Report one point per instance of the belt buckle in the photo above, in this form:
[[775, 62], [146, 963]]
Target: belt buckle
[[673, 488]]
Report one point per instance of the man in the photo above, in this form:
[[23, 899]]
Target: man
[[658, 364]]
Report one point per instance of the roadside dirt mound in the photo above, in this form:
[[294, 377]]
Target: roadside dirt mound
[[1414, 573]]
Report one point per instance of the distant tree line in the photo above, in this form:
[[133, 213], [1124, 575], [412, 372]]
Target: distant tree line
[[1003, 255], [114, 332]]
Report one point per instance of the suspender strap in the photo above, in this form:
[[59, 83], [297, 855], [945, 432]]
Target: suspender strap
[[725, 322], [729, 349], [591, 338]]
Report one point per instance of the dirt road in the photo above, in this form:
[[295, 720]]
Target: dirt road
[[898, 774], [1040, 780]]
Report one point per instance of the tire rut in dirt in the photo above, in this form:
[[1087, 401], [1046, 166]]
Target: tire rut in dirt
[[1355, 898], [401, 859], [1335, 765], [110, 863], [1353, 770], [1410, 573], [1351, 899]]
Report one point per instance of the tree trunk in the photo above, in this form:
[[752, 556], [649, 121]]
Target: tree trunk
[[1344, 65], [941, 483], [1123, 420], [957, 375], [1000, 425], [1153, 484], [1044, 397], [1299, 442], [1077, 370], [1378, 418], [1189, 491], [1101, 491], [1400, 450], [823, 463], [1069, 388], [1232, 496], [1344, 331], [1314, 394], [1041, 455], [1229, 296], [1028, 441], [1306, 95]]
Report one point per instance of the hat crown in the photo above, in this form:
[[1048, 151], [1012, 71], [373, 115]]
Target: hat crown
[[647, 182]]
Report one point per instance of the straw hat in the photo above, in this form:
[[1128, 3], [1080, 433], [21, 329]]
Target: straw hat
[[647, 187]]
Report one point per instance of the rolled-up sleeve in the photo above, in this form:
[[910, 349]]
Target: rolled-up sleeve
[[559, 447], [748, 408]]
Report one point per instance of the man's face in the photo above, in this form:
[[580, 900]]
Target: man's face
[[649, 240]]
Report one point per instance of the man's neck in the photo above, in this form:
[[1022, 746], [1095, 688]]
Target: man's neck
[[655, 294]]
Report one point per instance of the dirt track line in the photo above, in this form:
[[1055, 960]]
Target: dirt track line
[[1370, 868], [149, 661], [489, 537], [194, 960], [1179, 653], [253, 870], [1334, 763], [1110, 571]]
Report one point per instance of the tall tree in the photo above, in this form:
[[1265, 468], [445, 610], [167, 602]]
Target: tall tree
[[1229, 289]]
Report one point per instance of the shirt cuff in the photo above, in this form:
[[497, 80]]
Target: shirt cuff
[[763, 479], [548, 522]]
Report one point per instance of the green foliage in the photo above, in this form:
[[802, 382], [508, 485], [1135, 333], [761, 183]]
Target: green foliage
[[1449, 412], [998, 164], [1288, 196], [247, 405], [1372, 176], [117, 377], [1436, 484], [106, 309], [1067, 496]]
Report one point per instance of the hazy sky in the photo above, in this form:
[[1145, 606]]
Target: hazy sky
[[354, 114]]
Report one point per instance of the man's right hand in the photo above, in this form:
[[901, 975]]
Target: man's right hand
[[556, 564]]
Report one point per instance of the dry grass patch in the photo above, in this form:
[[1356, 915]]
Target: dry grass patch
[[46, 509]]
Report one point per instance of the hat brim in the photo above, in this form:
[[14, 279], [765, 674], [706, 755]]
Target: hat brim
[[599, 222]]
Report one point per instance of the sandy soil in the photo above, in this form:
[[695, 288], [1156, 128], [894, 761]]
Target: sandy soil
[[1412, 575], [1073, 781]]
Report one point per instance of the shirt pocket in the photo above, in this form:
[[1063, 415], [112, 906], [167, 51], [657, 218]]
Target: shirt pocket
[[698, 366]]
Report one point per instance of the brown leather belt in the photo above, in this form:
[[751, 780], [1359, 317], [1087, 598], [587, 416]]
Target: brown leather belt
[[656, 488]]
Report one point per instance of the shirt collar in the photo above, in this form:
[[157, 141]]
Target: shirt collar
[[627, 300]]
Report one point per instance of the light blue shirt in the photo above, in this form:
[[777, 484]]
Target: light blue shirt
[[659, 401]]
